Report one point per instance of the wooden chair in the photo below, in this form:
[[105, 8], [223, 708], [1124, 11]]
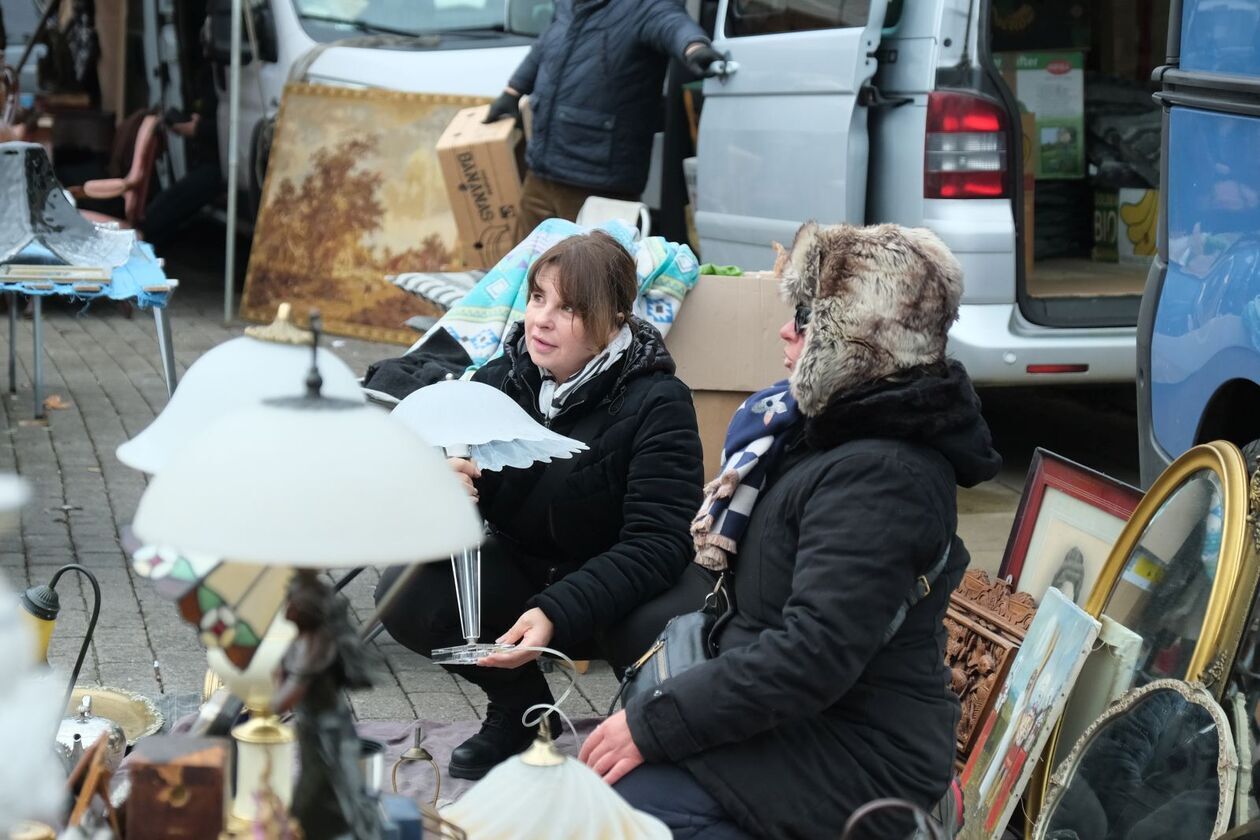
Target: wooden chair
[[134, 187]]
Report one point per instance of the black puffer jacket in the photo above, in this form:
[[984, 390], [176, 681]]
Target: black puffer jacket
[[804, 715], [594, 80], [617, 528]]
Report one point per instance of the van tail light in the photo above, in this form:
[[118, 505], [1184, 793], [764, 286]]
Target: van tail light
[[965, 153]]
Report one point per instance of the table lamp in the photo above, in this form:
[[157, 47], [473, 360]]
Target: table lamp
[[474, 420], [291, 485]]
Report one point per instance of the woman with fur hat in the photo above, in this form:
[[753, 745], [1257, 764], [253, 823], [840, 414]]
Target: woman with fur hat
[[836, 504]]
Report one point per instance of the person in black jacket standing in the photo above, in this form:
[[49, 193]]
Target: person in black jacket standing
[[566, 564], [808, 711], [594, 80]]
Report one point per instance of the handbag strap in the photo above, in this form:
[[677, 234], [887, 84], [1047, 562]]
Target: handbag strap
[[921, 589]]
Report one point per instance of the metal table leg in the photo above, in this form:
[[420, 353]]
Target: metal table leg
[[37, 366], [165, 347], [13, 322]]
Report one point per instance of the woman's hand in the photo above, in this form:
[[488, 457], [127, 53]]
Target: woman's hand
[[610, 749], [466, 471], [532, 629]]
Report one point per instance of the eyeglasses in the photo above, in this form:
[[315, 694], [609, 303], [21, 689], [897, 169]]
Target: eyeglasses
[[800, 319]]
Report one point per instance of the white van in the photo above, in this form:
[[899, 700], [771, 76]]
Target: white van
[[857, 111]]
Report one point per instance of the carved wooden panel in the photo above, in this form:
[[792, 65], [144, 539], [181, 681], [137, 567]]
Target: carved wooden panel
[[986, 623]]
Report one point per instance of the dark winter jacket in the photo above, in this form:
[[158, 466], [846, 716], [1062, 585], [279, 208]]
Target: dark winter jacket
[[617, 528], [594, 80], [804, 715]]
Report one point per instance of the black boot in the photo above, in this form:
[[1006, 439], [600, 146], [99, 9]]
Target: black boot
[[503, 735]]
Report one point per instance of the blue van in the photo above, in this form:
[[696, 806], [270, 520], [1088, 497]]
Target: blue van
[[1199, 323]]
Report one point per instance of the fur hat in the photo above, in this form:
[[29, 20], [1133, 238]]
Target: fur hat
[[883, 299]]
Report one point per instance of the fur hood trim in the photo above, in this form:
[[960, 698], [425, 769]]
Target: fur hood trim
[[882, 297]]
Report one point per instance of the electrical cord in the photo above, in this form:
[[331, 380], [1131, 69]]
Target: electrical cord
[[91, 628], [418, 753]]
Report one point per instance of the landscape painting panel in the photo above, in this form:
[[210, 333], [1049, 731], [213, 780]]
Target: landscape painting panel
[[353, 193]]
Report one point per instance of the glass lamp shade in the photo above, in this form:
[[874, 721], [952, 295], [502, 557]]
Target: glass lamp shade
[[475, 419], [311, 483], [543, 795], [255, 685], [237, 373], [14, 492]]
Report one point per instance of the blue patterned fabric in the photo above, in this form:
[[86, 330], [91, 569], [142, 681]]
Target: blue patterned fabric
[[754, 439], [479, 322], [127, 282]]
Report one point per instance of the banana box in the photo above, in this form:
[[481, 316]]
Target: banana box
[[1125, 225]]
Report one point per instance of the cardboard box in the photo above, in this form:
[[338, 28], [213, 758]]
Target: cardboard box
[[1051, 85], [1125, 225], [484, 184], [726, 344]]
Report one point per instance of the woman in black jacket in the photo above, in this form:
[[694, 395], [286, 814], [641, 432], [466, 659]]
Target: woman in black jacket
[[565, 564], [807, 711]]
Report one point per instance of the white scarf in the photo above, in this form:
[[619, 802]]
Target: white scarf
[[552, 395]]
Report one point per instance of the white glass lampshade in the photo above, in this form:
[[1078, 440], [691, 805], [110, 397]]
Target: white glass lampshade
[[237, 373], [543, 795], [308, 482], [462, 415], [14, 492]]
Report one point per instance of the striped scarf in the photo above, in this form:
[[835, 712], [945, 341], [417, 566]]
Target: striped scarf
[[552, 394], [754, 439]]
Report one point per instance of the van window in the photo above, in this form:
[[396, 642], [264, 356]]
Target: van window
[[771, 17], [407, 15]]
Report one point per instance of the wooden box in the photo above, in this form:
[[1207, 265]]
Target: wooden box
[[179, 787]]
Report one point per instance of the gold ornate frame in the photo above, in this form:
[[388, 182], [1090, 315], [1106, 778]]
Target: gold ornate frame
[[1233, 590], [1227, 758]]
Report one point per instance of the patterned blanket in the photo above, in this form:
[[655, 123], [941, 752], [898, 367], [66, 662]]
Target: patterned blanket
[[667, 271]]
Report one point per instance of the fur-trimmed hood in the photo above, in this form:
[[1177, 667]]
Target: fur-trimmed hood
[[935, 405], [882, 297]]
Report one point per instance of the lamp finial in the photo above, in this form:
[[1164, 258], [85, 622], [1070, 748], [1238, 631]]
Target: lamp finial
[[282, 330], [314, 382]]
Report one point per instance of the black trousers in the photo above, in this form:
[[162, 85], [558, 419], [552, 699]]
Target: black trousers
[[426, 617], [674, 797]]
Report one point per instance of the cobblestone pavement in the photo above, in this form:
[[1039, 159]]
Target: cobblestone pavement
[[105, 367]]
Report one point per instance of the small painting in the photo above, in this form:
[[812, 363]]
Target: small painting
[[354, 192], [1068, 520], [1024, 714]]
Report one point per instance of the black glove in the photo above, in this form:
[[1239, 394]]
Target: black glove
[[507, 105], [700, 60]]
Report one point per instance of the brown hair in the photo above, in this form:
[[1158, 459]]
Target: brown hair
[[594, 275]]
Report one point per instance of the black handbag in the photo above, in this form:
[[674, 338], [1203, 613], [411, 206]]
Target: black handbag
[[686, 641], [691, 638]]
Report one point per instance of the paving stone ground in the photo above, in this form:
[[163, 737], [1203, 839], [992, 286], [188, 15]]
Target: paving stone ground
[[105, 367]]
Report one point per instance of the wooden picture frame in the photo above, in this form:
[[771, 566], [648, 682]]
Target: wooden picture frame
[[1068, 519], [985, 624]]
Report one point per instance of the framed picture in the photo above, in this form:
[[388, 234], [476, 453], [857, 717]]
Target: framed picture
[[985, 624], [1024, 714], [1069, 518], [354, 192]]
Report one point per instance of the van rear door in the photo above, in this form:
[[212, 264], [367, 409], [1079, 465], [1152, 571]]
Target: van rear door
[[783, 138]]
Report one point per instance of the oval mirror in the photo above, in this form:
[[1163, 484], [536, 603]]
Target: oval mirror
[[1181, 579], [1160, 763], [1180, 575]]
